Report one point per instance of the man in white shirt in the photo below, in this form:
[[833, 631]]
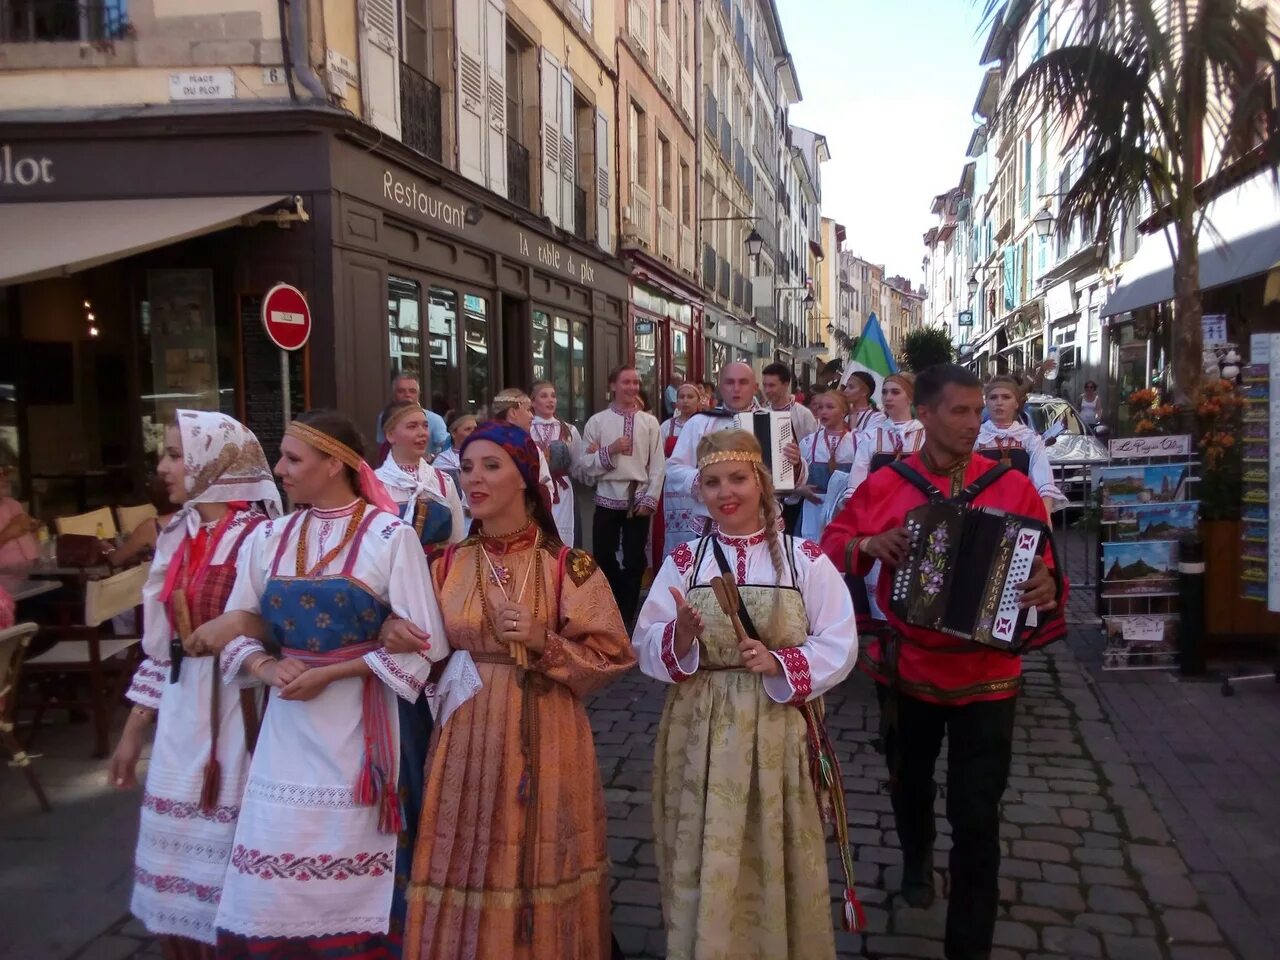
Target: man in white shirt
[[737, 387], [776, 380], [624, 460]]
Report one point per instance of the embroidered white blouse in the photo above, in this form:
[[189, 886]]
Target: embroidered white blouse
[[422, 481], [615, 474], [1020, 435], [809, 670], [889, 437]]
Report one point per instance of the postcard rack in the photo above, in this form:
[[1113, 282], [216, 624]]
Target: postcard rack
[[1148, 503]]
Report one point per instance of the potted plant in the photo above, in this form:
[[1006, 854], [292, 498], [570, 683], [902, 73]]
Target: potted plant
[[924, 347], [1218, 408]]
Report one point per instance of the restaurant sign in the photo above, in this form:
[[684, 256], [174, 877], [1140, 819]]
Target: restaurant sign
[[22, 170]]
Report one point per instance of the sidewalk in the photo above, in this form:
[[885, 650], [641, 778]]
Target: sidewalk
[[1108, 853]]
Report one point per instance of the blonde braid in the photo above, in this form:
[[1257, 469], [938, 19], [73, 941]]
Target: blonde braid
[[769, 507]]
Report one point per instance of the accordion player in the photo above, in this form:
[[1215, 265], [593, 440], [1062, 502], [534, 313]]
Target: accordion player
[[773, 430], [963, 571]]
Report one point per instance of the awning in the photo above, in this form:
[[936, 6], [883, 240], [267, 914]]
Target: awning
[[1240, 238], [39, 240]]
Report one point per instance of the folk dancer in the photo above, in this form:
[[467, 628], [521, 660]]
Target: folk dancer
[[829, 451], [738, 788], [737, 386], [859, 387], [930, 683], [561, 446], [624, 459], [215, 469], [314, 864], [676, 518], [1003, 431], [425, 496], [461, 426], [514, 406], [775, 380], [511, 859]]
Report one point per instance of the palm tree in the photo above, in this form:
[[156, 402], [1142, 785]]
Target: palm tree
[[1139, 89]]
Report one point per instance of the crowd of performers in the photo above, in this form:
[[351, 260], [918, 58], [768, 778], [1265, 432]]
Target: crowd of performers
[[370, 738]]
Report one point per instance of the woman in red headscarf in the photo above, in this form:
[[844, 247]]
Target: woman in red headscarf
[[511, 860]]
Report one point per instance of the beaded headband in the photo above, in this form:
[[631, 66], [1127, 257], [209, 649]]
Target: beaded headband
[[324, 443], [400, 414], [725, 456]]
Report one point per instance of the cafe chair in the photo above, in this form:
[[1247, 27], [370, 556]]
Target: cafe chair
[[95, 523], [82, 650], [13, 648], [130, 519]]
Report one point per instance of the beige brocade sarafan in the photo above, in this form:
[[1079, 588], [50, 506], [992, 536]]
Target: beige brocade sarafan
[[741, 849]]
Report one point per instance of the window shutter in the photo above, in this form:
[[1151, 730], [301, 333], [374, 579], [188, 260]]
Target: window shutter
[[495, 32], [380, 64], [550, 104], [604, 182], [469, 19], [586, 11], [568, 162]]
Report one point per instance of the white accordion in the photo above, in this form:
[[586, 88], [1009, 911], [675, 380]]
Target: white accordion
[[772, 428]]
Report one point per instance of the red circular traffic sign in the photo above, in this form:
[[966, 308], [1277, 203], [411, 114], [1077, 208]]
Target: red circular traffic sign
[[286, 316]]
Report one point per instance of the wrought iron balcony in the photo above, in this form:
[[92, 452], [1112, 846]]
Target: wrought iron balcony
[[708, 266], [518, 190], [83, 21], [710, 114], [726, 140], [580, 213], [420, 127], [723, 288]]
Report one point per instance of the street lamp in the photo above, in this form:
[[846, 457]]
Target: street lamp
[[973, 284], [1043, 222], [755, 243]]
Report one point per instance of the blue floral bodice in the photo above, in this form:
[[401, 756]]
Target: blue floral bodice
[[321, 614]]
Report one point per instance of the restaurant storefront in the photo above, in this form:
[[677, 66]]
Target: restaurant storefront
[[663, 321], [132, 270]]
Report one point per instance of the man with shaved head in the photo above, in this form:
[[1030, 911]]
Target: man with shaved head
[[737, 388]]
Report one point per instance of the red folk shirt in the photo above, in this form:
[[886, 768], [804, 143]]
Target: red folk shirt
[[931, 665]]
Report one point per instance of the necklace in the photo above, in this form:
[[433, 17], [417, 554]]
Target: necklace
[[499, 575], [301, 557], [518, 651]]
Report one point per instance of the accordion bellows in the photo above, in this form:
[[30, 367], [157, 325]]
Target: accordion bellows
[[963, 571]]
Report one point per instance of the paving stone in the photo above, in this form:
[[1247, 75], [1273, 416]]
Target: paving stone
[[1040, 850], [1057, 896], [622, 849], [634, 916], [1062, 835], [1101, 841], [1193, 925], [1105, 823], [916, 947], [1107, 899], [630, 939], [1029, 813], [1036, 915], [1075, 818], [1105, 875], [1214, 883], [1020, 869], [1170, 890], [1097, 857], [1144, 926], [1070, 942], [1181, 952], [1104, 923], [639, 892], [109, 948], [1059, 873], [1011, 933], [931, 923], [1131, 948], [1152, 859]]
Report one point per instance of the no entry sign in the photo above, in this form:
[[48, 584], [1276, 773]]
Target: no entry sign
[[286, 316]]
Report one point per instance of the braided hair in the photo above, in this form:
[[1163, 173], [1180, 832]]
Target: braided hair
[[740, 441]]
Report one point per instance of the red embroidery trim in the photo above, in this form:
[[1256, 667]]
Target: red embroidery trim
[[669, 658], [167, 883], [683, 557], [796, 665], [810, 549], [742, 565], [323, 866], [181, 810]]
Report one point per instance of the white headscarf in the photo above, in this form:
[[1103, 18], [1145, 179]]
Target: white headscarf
[[224, 463], [429, 484]]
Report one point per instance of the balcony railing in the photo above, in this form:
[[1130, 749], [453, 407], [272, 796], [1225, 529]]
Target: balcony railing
[[580, 213], [710, 115], [518, 191], [737, 289], [723, 287], [708, 266], [641, 214], [686, 249], [740, 161], [420, 126], [726, 140], [82, 21], [667, 235]]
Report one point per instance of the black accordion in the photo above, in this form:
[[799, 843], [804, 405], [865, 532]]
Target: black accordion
[[963, 569]]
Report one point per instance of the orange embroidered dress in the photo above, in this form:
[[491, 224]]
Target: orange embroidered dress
[[511, 861]]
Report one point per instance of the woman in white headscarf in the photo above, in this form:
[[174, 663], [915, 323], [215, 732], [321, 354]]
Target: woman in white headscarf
[[215, 468], [427, 497]]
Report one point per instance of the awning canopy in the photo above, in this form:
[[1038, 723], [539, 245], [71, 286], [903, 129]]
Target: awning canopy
[[1240, 238], [39, 240]]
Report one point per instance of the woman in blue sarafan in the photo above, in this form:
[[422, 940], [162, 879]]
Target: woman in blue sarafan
[[322, 803], [428, 498]]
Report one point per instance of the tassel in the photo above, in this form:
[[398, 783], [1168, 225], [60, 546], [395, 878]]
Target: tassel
[[855, 919], [390, 817], [365, 792], [212, 785]]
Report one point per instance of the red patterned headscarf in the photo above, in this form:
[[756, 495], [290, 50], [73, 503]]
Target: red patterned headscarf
[[519, 446]]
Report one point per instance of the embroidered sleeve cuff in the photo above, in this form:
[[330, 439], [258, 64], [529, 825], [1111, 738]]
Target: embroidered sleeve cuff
[[234, 656], [795, 683], [147, 686], [647, 501], [553, 654], [606, 464], [390, 669], [678, 668]]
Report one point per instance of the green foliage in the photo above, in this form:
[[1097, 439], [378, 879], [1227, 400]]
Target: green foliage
[[926, 346]]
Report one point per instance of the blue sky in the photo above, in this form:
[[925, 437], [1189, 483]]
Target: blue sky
[[891, 83]]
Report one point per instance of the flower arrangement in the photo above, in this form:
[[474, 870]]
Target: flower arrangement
[[1218, 409], [1149, 414]]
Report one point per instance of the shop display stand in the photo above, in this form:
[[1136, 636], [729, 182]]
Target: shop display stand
[[1148, 504]]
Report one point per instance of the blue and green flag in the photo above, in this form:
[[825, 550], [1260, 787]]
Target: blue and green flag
[[872, 354]]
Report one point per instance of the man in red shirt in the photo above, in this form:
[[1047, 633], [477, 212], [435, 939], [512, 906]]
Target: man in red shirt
[[930, 683]]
